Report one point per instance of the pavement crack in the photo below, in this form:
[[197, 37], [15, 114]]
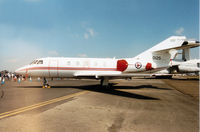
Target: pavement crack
[[2, 93], [117, 124]]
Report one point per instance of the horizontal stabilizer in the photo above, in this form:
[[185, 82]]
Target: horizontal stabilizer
[[184, 45]]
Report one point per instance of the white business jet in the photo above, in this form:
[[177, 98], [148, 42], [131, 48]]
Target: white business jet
[[181, 67], [152, 60]]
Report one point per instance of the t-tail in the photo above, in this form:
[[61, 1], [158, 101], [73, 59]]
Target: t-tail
[[159, 56]]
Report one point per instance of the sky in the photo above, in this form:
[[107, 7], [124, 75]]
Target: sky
[[31, 29]]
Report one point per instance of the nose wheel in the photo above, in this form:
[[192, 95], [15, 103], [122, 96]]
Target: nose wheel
[[45, 83]]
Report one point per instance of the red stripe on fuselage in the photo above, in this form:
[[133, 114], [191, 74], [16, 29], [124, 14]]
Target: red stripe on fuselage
[[70, 68]]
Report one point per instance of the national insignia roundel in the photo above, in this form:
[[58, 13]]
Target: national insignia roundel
[[138, 65]]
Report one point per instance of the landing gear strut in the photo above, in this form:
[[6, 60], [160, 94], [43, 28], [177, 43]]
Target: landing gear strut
[[105, 82], [45, 83]]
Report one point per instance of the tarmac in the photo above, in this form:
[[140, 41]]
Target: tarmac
[[138, 105]]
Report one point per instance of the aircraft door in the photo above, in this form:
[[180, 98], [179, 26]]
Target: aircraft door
[[53, 68]]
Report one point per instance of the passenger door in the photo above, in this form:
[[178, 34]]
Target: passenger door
[[53, 68]]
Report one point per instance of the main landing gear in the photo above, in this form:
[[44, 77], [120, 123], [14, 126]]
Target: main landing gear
[[105, 82], [45, 83]]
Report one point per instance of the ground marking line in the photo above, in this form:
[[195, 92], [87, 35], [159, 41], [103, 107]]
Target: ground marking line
[[63, 97], [31, 105], [20, 110]]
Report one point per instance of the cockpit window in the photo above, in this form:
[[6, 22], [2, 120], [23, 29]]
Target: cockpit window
[[34, 62], [37, 62], [40, 62]]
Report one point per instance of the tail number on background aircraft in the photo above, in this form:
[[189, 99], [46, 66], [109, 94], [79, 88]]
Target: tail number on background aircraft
[[156, 57]]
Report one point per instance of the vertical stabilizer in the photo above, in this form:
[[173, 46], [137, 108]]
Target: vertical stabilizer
[[171, 43]]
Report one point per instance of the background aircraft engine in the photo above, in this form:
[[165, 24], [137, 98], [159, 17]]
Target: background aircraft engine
[[122, 65]]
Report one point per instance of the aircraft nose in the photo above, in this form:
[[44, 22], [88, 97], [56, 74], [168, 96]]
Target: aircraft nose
[[20, 71], [17, 70]]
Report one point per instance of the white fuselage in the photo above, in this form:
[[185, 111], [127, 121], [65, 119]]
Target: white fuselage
[[69, 67], [190, 66]]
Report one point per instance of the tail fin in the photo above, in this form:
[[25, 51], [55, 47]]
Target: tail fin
[[169, 43], [166, 50]]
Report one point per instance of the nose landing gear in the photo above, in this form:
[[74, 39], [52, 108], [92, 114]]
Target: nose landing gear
[[45, 83]]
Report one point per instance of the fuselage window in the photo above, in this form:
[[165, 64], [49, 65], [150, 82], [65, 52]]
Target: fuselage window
[[85, 63], [104, 64], [95, 64], [198, 64], [68, 63], [77, 63], [40, 62]]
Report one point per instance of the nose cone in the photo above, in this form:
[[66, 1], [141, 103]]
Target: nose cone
[[21, 71]]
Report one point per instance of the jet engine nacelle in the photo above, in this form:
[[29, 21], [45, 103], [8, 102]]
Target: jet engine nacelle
[[133, 66]]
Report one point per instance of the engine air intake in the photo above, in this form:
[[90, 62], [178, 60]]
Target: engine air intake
[[148, 66], [122, 65]]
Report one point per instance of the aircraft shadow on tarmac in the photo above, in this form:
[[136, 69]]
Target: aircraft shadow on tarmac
[[137, 87], [114, 90]]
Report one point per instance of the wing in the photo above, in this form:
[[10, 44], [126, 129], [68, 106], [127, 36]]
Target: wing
[[110, 74]]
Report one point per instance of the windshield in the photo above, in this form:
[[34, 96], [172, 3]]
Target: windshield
[[37, 62], [40, 62], [34, 62]]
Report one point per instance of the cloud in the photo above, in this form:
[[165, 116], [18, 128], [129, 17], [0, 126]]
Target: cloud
[[89, 33], [179, 31], [86, 35], [82, 55], [53, 53]]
